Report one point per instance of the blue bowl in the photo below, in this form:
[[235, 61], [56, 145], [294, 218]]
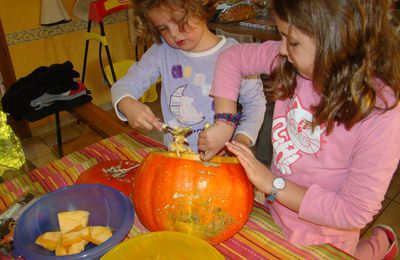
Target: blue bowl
[[107, 207]]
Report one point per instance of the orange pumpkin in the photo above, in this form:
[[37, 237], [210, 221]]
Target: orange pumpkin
[[211, 200], [118, 174]]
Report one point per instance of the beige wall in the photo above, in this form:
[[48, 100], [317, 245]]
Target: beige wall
[[21, 18]]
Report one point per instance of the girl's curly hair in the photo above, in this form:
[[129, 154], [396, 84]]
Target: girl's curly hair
[[356, 44], [201, 9]]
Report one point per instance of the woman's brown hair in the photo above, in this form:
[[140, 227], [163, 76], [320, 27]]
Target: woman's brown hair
[[356, 44], [201, 9]]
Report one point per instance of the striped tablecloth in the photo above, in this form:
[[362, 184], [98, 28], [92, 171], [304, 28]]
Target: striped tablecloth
[[260, 238]]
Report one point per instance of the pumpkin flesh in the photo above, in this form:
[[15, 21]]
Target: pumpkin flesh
[[211, 200]]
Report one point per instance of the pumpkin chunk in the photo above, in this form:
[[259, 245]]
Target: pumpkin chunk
[[75, 236], [60, 249], [72, 220], [48, 240], [99, 234], [78, 247]]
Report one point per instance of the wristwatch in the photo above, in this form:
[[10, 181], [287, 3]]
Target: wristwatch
[[278, 184]]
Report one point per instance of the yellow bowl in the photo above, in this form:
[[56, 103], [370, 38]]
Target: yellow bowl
[[163, 245]]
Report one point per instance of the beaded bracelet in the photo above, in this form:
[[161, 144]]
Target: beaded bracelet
[[227, 117], [226, 122]]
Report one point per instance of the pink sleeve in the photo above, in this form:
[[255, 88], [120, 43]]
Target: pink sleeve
[[239, 60], [374, 161]]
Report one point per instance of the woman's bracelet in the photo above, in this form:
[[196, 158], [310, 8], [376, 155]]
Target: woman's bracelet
[[232, 119]]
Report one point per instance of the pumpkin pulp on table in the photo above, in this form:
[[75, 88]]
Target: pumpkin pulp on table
[[211, 200]]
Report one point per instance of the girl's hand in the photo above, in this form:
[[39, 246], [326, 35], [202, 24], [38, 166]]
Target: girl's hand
[[138, 114], [237, 138], [256, 171], [212, 140], [243, 139]]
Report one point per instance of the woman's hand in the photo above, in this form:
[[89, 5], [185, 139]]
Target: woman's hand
[[256, 171], [212, 140], [138, 114]]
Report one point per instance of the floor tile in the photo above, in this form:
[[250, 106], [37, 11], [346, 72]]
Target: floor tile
[[385, 204], [81, 127], [81, 141], [44, 159], [397, 199], [390, 216], [364, 230], [50, 125], [34, 148], [394, 187], [42, 129], [67, 133]]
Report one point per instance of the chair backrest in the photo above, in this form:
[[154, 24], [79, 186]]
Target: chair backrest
[[102, 8], [98, 10]]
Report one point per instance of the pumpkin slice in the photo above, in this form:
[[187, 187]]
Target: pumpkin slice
[[72, 220], [75, 236], [60, 249], [48, 240], [99, 234], [77, 247]]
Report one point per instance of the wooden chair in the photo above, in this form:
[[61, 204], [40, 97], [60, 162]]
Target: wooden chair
[[98, 11], [99, 120]]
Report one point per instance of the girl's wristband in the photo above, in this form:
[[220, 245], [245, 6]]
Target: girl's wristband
[[233, 119], [225, 122]]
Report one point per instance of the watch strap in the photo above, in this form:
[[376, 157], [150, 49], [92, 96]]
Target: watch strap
[[272, 196], [275, 189]]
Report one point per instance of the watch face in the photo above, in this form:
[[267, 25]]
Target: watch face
[[279, 183]]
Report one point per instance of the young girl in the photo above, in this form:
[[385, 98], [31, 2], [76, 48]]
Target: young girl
[[335, 79], [184, 56]]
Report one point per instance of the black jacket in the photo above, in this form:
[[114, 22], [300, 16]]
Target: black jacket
[[55, 79]]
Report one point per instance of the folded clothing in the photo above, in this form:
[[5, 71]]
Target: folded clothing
[[57, 106], [44, 91], [48, 99]]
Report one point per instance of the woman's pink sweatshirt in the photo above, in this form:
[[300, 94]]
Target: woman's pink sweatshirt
[[347, 172]]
